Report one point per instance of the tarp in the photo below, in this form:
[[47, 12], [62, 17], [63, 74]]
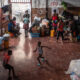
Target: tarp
[[74, 67]]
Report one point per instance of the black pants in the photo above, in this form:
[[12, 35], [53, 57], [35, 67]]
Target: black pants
[[55, 28], [38, 58], [60, 33], [10, 68]]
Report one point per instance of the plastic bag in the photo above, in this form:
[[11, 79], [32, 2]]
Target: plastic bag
[[73, 76]]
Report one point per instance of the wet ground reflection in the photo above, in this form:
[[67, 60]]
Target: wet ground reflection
[[30, 51], [20, 54]]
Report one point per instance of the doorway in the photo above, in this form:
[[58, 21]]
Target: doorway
[[18, 9]]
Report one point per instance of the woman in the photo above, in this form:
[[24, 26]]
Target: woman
[[26, 25]]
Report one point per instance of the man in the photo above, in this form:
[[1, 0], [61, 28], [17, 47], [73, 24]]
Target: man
[[55, 21]]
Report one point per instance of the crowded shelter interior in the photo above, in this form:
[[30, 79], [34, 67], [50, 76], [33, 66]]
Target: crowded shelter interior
[[39, 39]]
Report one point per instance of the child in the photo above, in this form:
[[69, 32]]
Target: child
[[6, 64], [40, 52]]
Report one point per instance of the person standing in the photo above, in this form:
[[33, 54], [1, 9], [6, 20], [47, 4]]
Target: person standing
[[55, 20], [26, 25], [60, 29]]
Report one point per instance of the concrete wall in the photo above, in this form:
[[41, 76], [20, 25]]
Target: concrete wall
[[40, 6], [42, 3], [38, 3]]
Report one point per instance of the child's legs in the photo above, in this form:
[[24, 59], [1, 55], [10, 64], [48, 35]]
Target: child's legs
[[10, 68], [40, 56], [58, 34], [7, 66]]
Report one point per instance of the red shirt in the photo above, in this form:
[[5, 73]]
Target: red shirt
[[55, 25], [60, 26], [6, 58], [54, 18]]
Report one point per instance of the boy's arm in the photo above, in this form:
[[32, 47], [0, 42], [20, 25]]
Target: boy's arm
[[35, 50], [46, 47]]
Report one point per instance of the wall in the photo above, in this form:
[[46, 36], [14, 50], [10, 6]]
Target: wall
[[40, 6], [52, 4], [38, 3]]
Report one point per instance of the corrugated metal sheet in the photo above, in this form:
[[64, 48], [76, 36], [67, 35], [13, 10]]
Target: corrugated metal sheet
[[20, 1], [75, 3]]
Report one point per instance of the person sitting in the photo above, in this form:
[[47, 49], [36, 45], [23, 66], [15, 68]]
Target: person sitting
[[11, 28], [36, 22], [14, 21], [16, 26]]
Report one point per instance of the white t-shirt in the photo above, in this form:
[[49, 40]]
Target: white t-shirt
[[40, 51]]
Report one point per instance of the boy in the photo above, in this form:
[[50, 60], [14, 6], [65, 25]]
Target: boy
[[6, 64], [40, 52]]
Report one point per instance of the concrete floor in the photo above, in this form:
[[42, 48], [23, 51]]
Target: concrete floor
[[25, 61]]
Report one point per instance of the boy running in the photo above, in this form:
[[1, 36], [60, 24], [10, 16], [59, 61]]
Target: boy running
[[6, 64], [40, 52]]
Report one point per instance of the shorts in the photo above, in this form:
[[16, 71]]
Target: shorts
[[7, 66]]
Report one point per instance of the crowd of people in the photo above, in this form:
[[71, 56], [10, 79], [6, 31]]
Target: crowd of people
[[64, 27], [67, 28], [61, 26]]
